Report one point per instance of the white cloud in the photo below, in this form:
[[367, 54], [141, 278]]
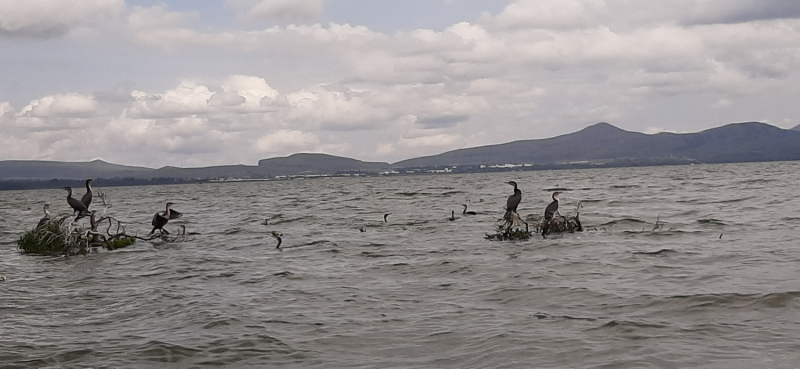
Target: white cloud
[[47, 18], [67, 106], [286, 11], [328, 108], [5, 107], [283, 140], [549, 14], [187, 98], [534, 70]]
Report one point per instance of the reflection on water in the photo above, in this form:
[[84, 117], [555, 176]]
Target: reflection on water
[[714, 286]]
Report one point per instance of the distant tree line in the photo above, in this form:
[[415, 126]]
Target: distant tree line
[[31, 184]]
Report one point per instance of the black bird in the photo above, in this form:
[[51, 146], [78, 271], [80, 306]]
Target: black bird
[[552, 208], [161, 219], [385, 216], [513, 202], [74, 203], [452, 216], [465, 212], [549, 211], [87, 198], [47, 216]]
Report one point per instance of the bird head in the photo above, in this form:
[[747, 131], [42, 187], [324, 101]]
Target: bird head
[[89, 181], [169, 204], [512, 183], [555, 195]]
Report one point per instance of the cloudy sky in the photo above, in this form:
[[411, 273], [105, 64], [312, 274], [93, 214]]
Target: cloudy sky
[[197, 83]]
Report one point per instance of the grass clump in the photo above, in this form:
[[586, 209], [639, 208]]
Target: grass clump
[[48, 239], [120, 243], [64, 237]]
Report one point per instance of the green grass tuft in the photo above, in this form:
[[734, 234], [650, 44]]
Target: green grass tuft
[[49, 240]]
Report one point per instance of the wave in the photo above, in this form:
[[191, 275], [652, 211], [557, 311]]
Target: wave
[[726, 301], [659, 252], [623, 221], [629, 325]]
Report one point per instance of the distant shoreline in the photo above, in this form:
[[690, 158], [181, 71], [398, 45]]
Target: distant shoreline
[[34, 184]]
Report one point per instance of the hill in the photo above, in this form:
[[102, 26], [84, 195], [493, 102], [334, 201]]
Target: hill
[[36, 169], [317, 164], [600, 143], [603, 143]]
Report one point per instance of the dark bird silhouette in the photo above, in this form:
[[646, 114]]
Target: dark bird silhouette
[[183, 232], [385, 216], [513, 202], [47, 216], [549, 212], [87, 198], [452, 216], [76, 205], [465, 212], [161, 219], [552, 208]]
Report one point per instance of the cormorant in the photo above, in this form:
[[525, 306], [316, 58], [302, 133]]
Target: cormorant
[[47, 216], [513, 202], [452, 216], [548, 214], [385, 216], [74, 203], [552, 208], [161, 219], [87, 198], [465, 212]]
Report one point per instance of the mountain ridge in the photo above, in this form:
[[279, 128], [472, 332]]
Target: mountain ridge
[[600, 144]]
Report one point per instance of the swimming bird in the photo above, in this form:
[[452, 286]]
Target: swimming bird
[[385, 216], [452, 216], [87, 198], [278, 237], [47, 216], [74, 203], [183, 232], [161, 219], [513, 202], [465, 212]]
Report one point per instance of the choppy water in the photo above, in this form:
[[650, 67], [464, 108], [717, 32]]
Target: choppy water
[[420, 291]]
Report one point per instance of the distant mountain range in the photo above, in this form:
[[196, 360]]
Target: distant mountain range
[[604, 143], [599, 144]]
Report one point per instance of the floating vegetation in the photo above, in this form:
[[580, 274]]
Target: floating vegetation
[[63, 236], [512, 230], [510, 234]]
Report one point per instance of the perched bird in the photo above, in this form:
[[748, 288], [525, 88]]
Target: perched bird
[[552, 208], [87, 198], [75, 204], [465, 212], [47, 216], [549, 212], [161, 219], [513, 202]]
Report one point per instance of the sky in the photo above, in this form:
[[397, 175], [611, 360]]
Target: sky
[[199, 83]]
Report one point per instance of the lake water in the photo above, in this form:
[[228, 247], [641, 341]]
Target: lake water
[[718, 286]]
